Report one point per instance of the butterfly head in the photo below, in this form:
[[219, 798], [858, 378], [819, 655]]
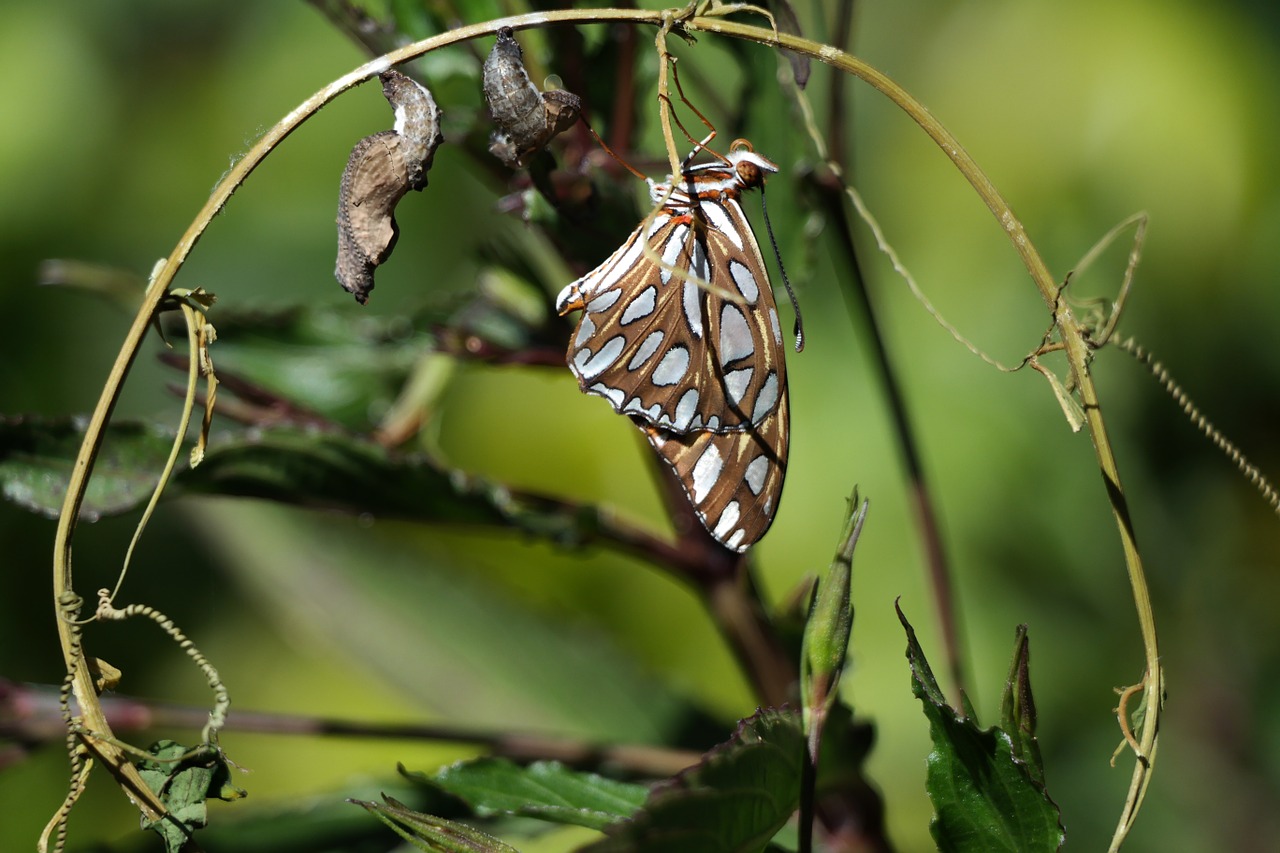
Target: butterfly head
[[749, 166]]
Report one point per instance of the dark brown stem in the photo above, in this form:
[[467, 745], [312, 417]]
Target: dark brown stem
[[724, 582], [31, 716]]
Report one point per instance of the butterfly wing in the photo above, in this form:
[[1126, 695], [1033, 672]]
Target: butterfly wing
[[733, 479], [659, 346]]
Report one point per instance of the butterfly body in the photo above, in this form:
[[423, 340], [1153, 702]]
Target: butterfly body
[[680, 331]]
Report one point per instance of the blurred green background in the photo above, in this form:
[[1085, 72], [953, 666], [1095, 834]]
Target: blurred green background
[[119, 118]]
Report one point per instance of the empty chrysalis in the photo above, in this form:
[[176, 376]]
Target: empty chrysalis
[[381, 169], [526, 118]]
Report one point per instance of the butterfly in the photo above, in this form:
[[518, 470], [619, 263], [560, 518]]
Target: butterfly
[[680, 331]]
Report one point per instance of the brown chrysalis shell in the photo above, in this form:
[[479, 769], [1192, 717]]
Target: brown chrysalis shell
[[381, 169], [526, 118]]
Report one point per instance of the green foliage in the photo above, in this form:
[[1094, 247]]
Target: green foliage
[[986, 784], [736, 799], [36, 455], [545, 789], [184, 783], [434, 834], [286, 464]]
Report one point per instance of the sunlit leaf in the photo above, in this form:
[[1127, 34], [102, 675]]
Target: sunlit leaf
[[321, 359], [545, 789], [184, 784], [435, 834], [736, 799], [37, 454], [983, 796]]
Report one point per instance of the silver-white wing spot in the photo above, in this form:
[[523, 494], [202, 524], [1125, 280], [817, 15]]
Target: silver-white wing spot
[[745, 282], [728, 519], [721, 222], [686, 408], [692, 296], [636, 405], [586, 328], [767, 398], [755, 474], [672, 368], [734, 542], [777, 328], [671, 252], [604, 301], [641, 305], [592, 366], [647, 348], [698, 265], [735, 335], [705, 473], [614, 395], [736, 382]]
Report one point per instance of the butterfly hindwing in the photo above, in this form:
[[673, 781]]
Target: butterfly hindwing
[[733, 479]]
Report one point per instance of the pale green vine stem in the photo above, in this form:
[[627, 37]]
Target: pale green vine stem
[[1071, 331], [221, 698], [195, 324]]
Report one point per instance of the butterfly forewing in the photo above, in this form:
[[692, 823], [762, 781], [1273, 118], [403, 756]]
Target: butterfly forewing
[[659, 343], [733, 479]]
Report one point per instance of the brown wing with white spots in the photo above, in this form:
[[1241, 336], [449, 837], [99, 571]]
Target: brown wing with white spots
[[733, 479], [677, 355]]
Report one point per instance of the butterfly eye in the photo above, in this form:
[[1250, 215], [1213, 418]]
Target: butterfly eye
[[750, 174]]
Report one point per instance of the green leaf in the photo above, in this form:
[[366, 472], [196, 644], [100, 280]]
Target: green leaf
[[427, 832], [507, 310], [36, 456], [352, 474], [287, 465], [545, 789], [320, 359], [122, 287], [183, 783], [736, 799], [983, 796], [336, 471]]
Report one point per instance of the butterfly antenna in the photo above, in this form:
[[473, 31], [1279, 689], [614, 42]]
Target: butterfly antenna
[[711, 128], [799, 329], [632, 169]]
